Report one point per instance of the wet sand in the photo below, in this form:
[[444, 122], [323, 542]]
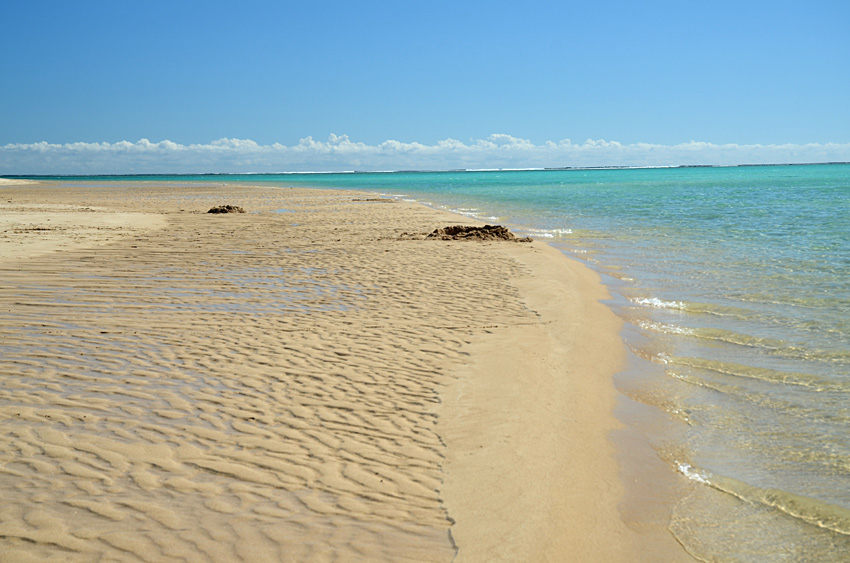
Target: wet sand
[[308, 381]]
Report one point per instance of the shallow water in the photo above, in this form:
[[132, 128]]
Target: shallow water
[[735, 287]]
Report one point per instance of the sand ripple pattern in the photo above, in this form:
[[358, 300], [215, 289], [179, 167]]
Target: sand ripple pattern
[[256, 387]]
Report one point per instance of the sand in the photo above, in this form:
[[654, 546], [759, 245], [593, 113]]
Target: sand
[[312, 380]]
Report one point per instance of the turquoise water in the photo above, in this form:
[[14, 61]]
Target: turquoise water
[[735, 287]]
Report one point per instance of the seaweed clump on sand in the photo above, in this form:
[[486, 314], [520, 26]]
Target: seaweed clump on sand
[[226, 209], [485, 233]]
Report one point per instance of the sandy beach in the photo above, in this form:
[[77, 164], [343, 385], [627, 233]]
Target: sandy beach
[[311, 380]]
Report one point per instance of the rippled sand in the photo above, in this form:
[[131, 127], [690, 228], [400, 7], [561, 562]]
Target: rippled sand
[[308, 381]]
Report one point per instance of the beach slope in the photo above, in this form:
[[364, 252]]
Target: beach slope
[[313, 379]]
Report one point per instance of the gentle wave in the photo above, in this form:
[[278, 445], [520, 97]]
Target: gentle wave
[[810, 510], [835, 326], [549, 233], [803, 413], [658, 303], [692, 307], [772, 346], [469, 212], [666, 328], [808, 380]]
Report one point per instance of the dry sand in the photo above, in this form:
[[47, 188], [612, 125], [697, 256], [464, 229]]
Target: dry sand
[[308, 381], [6, 182]]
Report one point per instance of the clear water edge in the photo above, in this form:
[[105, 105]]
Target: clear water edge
[[767, 522]]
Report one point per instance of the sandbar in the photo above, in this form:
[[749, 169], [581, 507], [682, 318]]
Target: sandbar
[[312, 380]]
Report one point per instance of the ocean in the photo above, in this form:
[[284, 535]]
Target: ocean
[[734, 286]]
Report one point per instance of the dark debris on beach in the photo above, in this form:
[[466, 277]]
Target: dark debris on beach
[[485, 233], [226, 209]]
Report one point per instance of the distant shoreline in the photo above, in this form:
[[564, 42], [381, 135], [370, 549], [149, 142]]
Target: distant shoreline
[[423, 171]]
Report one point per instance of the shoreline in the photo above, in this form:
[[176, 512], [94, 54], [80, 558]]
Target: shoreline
[[536, 391], [442, 429]]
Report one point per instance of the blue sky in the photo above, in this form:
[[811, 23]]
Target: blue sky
[[757, 75]]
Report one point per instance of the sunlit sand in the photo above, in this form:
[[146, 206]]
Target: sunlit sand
[[317, 384]]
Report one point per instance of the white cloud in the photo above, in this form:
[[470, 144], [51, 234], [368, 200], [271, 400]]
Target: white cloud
[[600, 143], [339, 152], [237, 144], [507, 141]]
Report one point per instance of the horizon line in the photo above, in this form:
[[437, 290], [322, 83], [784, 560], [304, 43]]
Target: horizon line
[[429, 171]]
